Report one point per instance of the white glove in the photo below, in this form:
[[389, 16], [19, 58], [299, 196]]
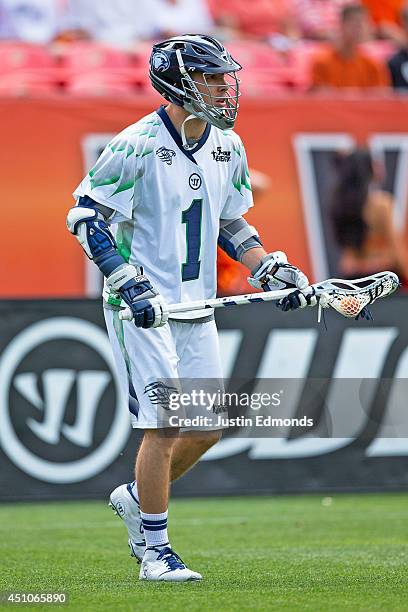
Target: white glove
[[161, 310], [275, 273]]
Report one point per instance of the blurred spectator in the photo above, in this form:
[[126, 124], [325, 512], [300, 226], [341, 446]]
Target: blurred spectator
[[344, 64], [384, 10], [122, 23], [386, 17], [362, 220], [398, 63], [31, 21], [319, 19], [119, 23], [174, 17], [258, 19]]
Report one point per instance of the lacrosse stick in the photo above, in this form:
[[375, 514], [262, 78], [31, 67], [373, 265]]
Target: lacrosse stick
[[348, 297]]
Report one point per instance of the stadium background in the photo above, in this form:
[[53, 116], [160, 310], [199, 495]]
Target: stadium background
[[61, 100]]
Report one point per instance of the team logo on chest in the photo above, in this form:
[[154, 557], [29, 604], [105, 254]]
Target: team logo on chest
[[221, 156], [166, 155], [195, 181]]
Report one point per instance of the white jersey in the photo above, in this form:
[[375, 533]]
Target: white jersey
[[169, 202]]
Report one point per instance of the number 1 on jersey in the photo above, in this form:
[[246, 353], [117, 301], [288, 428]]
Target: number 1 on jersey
[[192, 218]]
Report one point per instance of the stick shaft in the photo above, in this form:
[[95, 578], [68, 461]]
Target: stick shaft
[[233, 300]]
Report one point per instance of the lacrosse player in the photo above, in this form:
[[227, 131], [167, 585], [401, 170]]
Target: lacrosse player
[[150, 214]]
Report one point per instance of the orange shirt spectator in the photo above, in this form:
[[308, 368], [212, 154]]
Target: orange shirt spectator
[[386, 17], [257, 18], [384, 10], [331, 69], [344, 64]]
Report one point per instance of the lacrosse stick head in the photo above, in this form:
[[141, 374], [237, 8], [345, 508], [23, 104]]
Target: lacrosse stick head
[[349, 297]]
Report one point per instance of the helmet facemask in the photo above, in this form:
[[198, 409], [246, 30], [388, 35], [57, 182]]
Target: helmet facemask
[[207, 104]]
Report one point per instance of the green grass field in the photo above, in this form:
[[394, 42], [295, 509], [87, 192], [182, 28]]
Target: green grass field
[[269, 553]]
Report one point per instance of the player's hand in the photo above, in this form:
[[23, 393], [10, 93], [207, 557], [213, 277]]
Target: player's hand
[[148, 307], [298, 299], [274, 273]]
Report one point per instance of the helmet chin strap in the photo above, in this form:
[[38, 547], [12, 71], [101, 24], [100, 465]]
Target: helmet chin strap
[[186, 145]]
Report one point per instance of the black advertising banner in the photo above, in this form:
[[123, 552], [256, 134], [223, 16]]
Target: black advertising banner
[[338, 406], [64, 431]]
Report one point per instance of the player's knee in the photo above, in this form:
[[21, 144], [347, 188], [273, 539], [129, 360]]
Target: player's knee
[[160, 440], [208, 439]]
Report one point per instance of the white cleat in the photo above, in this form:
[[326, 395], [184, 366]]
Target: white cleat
[[123, 502], [164, 565]]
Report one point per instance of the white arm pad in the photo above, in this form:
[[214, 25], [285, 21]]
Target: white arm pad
[[75, 224], [244, 234], [78, 214], [239, 235]]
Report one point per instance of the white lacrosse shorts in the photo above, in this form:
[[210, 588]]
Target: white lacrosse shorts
[[160, 363]]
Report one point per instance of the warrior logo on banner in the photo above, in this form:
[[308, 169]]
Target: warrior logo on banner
[[61, 405]]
